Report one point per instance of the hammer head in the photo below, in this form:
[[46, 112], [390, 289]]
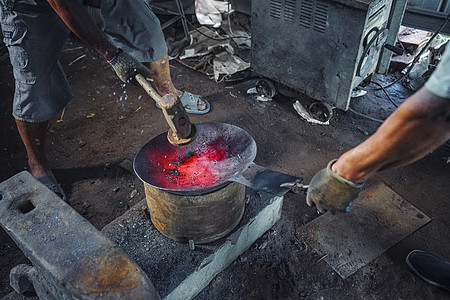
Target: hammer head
[[182, 131]]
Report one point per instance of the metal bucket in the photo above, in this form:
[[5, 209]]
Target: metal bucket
[[198, 219]]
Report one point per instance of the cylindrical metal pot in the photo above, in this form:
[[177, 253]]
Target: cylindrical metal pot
[[196, 191], [201, 219]]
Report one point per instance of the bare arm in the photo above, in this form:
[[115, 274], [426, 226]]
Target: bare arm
[[77, 19], [419, 125]]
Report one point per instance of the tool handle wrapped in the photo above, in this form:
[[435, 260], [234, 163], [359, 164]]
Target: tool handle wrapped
[[181, 130]]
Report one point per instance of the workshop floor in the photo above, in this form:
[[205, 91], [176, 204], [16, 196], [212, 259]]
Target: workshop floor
[[107, 123]]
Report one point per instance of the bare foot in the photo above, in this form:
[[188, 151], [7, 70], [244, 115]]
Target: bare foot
[[38, 170]]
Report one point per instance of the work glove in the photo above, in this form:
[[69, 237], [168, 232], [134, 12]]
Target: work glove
[[126, 66], [330, 191]]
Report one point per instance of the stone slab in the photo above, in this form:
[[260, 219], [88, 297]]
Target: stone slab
[[178, 272], [379, 219]]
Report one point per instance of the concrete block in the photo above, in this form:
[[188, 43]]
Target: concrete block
[[177, 271]]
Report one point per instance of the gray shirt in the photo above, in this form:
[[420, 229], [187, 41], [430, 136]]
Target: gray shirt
[[439, 82]]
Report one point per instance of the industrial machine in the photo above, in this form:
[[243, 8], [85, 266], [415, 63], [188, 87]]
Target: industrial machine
[[321, 48]]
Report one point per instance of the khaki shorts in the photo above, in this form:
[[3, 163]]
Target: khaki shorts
[[34, 35]]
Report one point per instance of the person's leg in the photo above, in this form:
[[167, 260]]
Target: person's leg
[[33, 137], [133, 27], [162, 80], [34, 42]]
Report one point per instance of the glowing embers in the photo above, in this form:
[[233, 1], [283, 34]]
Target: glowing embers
[[219, 153], [191, 169]]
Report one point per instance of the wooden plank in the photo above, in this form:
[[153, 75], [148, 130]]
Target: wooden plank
[[379, 219]]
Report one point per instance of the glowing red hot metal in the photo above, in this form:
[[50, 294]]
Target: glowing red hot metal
[[190, 169]]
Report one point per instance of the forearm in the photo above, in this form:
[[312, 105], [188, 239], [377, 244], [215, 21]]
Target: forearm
[[419, 125], [76, 18]]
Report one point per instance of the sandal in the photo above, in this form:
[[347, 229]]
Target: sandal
[[190, 103], [50, 182]]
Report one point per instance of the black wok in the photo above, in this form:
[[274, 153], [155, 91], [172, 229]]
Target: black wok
[[220, 153]]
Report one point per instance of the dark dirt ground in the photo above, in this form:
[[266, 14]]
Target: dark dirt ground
[[107, 123]]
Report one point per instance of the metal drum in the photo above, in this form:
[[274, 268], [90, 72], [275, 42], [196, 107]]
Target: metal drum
[[198, 219]]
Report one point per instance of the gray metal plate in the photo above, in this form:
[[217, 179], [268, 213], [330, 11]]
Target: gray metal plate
[[379, 219]]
